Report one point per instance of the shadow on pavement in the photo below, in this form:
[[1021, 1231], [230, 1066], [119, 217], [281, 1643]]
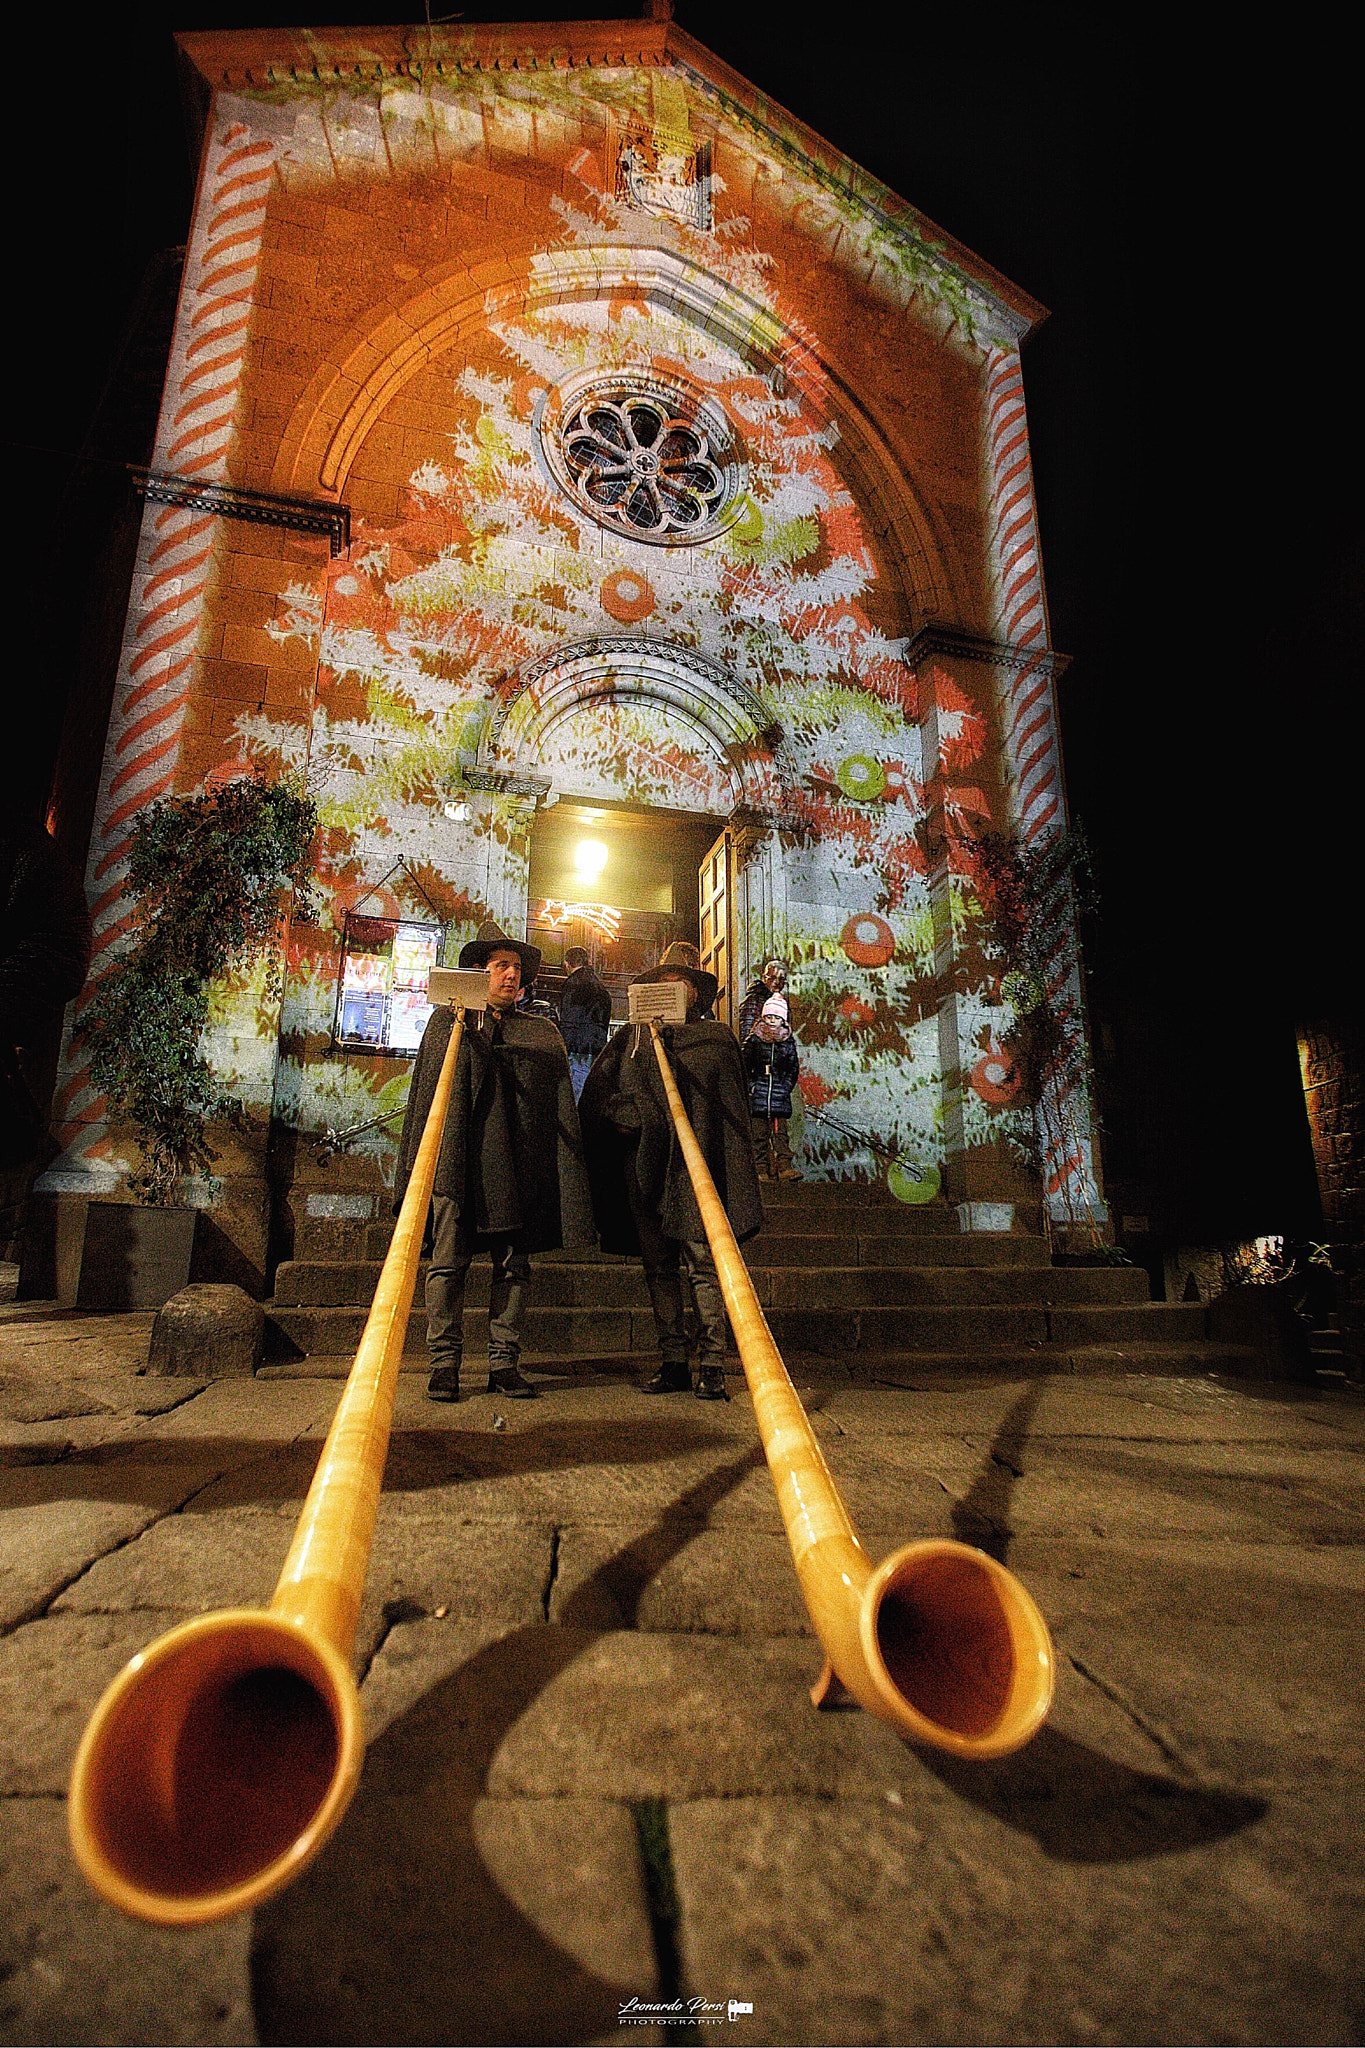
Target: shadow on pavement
[[399, 1932], [1080, 1807], [241, 1471], [1077, 1804], [982, 1516]]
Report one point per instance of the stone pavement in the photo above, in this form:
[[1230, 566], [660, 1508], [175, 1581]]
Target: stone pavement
[[593, 1771]]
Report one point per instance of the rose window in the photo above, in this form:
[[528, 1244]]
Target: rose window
[[644, 459]]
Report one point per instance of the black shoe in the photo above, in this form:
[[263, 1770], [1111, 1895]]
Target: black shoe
[[669, 1379], [711, 1382], [509, 1380], [444, 1384]]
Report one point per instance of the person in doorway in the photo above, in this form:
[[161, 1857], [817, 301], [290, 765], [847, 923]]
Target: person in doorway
[[642, 1193], [510, 1179], [771, 982], [771, 1066], [584, 1016]]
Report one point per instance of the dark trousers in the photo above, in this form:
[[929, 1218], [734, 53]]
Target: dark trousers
[[771, 1142], [666, 1261], [451, 1251]]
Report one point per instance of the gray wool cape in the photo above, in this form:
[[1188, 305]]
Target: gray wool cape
[[512, 1155], [627, 1129]]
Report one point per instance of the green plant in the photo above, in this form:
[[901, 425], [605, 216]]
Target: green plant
[[1034, 896], [208, 872]]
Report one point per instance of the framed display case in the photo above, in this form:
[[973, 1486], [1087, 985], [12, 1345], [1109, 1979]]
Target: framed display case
[[382, 1004]]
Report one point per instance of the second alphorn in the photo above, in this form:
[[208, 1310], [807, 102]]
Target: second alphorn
[[222, 1757], [939, 1639]]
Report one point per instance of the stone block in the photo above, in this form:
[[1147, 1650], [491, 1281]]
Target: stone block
[[49, 1543], [207, 1331], [134, 1257], [1262, 1318], [65, 1662], [75, 1970], [677, 1580], [449, 1917], [238, 682]]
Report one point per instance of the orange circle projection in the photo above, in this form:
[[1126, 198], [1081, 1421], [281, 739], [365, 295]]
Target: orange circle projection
[[995, 1079], [627, 597], [868, 941]]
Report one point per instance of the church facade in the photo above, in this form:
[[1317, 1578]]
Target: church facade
[[562, 445]]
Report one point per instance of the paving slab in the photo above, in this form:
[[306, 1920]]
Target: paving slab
[[1289, 1711], [1144, 1916], [24, 1398], [629, 1715], [46, 1545], [1174, 1858], [52, 1673], [680, 1577], [454, 1918], [45, 1338], [186, 1562], [72, 1969], [58, 1516]]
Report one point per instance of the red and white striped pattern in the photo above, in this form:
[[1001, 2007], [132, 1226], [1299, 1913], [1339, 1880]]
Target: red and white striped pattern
[[165, 612], [1030, 737], [1030, 722]]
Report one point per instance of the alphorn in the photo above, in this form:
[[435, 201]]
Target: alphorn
[[222, 1757], [939, 1639]]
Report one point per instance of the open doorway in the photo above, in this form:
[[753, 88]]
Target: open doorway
[[622, 883]]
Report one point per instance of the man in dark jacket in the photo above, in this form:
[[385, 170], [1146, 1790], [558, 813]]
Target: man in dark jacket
[[510, 1180], [584, 1016], [642, 1192]]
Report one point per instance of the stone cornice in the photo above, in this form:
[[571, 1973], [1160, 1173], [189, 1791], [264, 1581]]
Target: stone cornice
[[257, 508], [276, 60], [246, 60], [950, 640]]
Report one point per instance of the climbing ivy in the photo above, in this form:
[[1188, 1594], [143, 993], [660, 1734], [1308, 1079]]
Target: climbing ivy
[[207, 872], [1033, 896]]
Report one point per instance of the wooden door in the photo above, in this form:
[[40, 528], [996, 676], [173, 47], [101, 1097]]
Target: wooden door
[[713, 913]]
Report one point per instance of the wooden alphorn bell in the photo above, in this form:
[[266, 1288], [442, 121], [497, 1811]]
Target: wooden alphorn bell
[[939, 1639], [222, 1757]]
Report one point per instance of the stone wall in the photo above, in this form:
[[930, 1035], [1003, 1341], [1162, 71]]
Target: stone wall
[[404, 263], [1332, 1061]]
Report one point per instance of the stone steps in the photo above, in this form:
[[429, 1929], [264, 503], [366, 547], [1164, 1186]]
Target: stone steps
[[970, 1328], [888, 1248], [845, 1274], [796, 1214], [871, 1367], [817, 1285]]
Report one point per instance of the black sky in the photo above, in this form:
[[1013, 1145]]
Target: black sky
[[1184, 201]]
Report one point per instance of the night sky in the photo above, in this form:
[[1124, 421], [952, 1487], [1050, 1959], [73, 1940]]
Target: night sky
[[1187, 212]]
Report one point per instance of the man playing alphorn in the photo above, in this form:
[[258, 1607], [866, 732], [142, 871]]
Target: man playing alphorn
[[642, 1194], [511, 1179]]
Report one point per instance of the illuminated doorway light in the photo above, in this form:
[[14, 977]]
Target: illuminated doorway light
[[590, 857]]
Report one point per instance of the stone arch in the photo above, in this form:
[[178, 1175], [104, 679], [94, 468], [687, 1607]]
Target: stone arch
[[370, 367], [732, 722]]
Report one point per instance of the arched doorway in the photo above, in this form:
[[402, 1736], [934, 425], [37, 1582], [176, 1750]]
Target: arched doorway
[[650, 752], [622, 883]]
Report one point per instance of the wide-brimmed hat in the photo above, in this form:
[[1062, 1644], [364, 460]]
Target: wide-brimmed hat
[[492, 939], [684, 959]]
